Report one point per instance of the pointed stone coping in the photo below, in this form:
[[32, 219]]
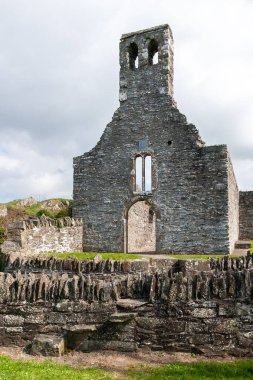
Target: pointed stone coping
[[79, 329], [122, 317], [129, 303]]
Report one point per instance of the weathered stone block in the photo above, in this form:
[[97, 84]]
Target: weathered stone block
[[13, 320], [122, 317], [47, 345], [80, 329], [201, 339], [243, 310], [227, 310], [227, 326], [14, 330], [204, 313]]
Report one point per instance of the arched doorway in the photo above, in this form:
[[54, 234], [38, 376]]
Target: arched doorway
[[141, 227]]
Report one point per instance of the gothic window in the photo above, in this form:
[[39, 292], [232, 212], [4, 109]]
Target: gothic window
[[133, 56], [153, 52], [143, 174]]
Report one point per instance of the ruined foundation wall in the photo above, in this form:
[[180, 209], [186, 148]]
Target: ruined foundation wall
[[33, 236], [183, 308], [246, 215]]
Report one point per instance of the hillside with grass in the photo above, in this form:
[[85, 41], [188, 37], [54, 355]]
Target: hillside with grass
[[20, 209]]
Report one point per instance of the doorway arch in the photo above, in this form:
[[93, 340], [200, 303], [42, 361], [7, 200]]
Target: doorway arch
[[140, 227]]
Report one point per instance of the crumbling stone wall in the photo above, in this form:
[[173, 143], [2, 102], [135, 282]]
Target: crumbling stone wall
[[246, 215], [190, 181], [33, 236], [178, 308]]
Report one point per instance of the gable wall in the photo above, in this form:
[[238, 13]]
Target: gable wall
[[190, 181]]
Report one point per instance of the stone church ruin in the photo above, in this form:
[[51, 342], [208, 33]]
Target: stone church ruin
[[151, 184]]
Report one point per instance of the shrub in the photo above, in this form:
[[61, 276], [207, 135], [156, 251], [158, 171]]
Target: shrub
[[2, 235], [63, 213], [46, 213]]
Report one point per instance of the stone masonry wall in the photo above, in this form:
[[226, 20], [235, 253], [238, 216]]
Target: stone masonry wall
[[246, 215], [183, 308], [33, 236]]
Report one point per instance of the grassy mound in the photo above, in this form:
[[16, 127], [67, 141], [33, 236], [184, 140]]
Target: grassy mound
[[38, 209], [18, 212]]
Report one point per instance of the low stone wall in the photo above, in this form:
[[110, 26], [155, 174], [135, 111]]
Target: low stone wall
[[246, 215], [146, 265], [33, 236], [204, 311]]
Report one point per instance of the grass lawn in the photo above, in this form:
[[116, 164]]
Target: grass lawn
[[197, 371], [31, 370], [127, 256], [91, 255], [251, 249]]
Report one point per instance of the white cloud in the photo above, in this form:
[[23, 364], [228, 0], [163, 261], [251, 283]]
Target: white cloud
[[59, 81]]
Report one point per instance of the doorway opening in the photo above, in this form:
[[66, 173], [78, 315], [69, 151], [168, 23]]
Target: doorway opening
[[141, 228]]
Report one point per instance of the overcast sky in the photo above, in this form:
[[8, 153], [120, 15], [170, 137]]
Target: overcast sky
[[59, 81]]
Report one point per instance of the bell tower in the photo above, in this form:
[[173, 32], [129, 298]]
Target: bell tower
[[146, 63]]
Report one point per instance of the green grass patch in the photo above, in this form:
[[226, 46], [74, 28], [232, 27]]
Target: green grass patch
[[239, 370], [251, 247], [126, 256], [91, 255], [199, 257], [30, 370]]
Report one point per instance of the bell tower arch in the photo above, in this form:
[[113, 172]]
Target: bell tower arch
[[146, 63]]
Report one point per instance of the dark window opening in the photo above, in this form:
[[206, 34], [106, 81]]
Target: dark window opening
[[133, 56], [169, 142], [153, 52]]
